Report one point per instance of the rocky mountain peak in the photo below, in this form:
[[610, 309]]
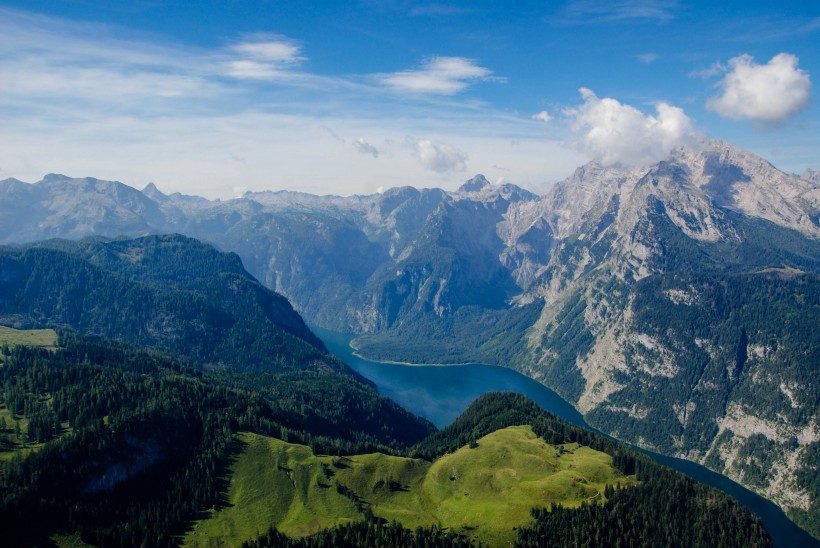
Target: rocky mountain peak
[[476, 184], [154, 193], [591, 187], [55, 178], [736, 179], [811, 175]]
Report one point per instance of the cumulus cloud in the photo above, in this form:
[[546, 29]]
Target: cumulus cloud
[[768, 94], [611, 132], [366, 148], [438, 75], [263, 57], [439, 158], [542, 116]]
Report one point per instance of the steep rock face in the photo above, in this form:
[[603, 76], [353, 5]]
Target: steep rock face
[[582, 195], [676, 316], [452, 262], [736, 179], [79, 207]]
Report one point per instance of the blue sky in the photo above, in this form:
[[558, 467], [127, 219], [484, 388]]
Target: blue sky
[[218, 97]]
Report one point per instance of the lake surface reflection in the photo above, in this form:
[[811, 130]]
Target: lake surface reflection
[[442, 393]]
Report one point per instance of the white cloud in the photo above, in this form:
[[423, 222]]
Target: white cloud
[[716, 68], [264, 58], [542, 116], [768, 94], [97, 100], [253, 70], [280, 50], [438, 75], [597, 11], [611, 132], [366, 148], [439, 158], [648, 58]]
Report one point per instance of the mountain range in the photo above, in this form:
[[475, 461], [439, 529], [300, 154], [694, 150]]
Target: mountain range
[[676, 305], [144, 421]]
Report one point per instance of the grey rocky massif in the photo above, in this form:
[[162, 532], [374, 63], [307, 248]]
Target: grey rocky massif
[[675, 305]]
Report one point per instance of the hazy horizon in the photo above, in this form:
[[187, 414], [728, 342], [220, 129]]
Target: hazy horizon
[[349, 98]]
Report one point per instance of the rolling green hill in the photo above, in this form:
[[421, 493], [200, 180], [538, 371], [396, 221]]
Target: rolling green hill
[[484, 492]]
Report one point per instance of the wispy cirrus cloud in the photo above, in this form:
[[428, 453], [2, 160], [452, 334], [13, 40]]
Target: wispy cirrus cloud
[[99, 100], [366, 148], [648, 58], [264, 57], [811, 26], [439, 76], [600, 11]]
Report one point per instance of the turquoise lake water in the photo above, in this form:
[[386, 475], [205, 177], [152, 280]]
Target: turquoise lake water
[[441, 393]]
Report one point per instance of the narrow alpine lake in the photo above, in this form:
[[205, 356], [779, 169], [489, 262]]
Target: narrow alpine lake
[[441, 393]]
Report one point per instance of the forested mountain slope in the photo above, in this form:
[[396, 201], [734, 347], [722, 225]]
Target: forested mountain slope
[[167, 291], [120, 446], [689, 327], [198, 305]]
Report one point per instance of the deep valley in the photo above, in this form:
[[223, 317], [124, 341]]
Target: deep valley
[[674, 306]]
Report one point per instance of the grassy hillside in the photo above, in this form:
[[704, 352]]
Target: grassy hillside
[[123, 446], [484, 492], [14, 429], [40, 338]]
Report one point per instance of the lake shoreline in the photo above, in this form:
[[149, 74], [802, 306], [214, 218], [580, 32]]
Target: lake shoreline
[[441, 393], [357, 352]]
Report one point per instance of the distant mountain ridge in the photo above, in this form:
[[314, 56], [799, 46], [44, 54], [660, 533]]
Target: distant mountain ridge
[[582, 289], [167, 291]]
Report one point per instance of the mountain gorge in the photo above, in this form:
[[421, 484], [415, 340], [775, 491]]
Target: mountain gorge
[[675, 305]]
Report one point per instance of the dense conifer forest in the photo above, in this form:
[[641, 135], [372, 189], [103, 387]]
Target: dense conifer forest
[[127, 446], [99, 413]]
